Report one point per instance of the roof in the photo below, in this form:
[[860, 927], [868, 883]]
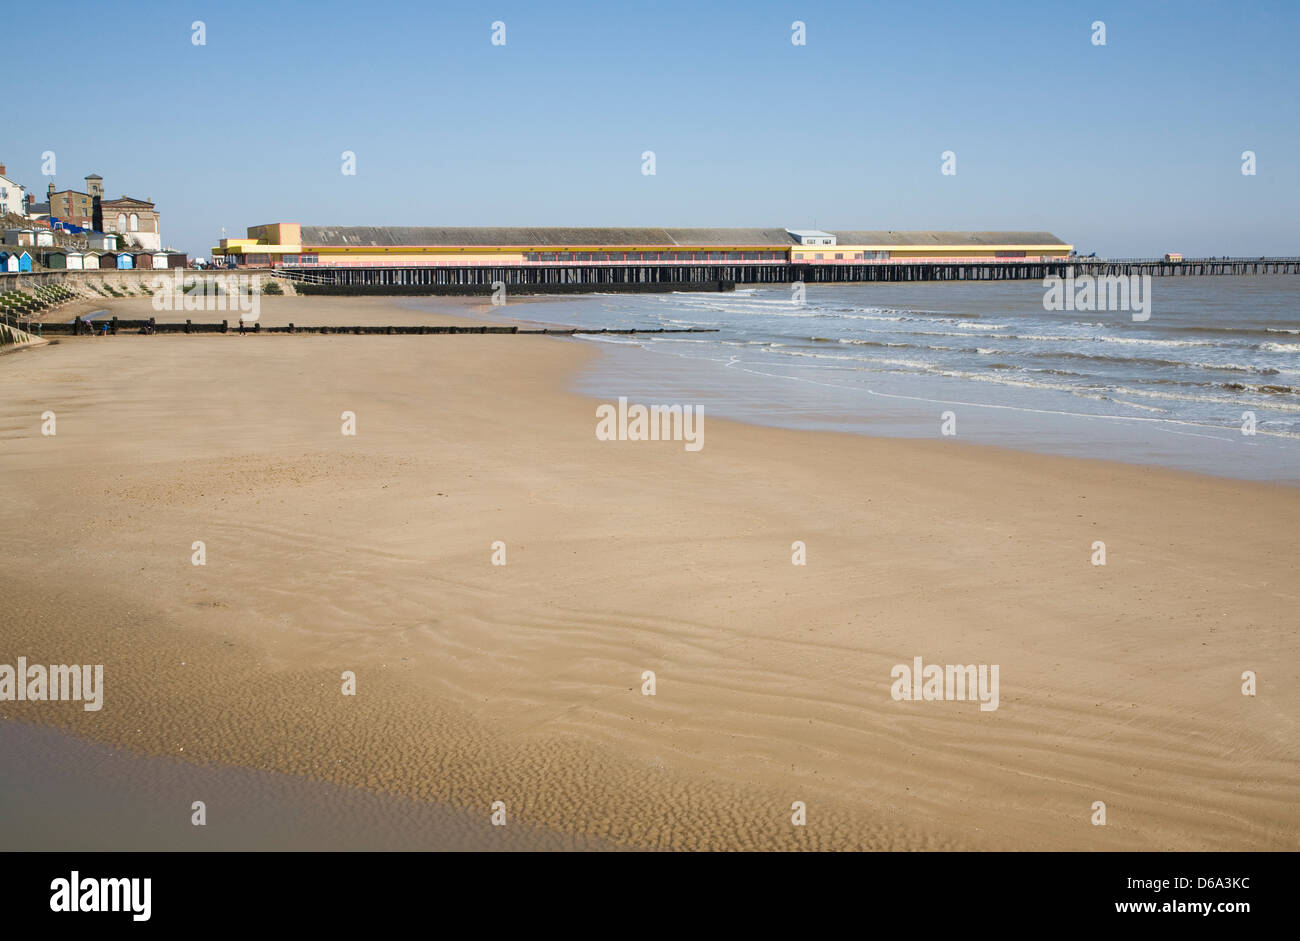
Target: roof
[[125, 200], [536, 236], [928, 237], [540, 236], [94, 176]]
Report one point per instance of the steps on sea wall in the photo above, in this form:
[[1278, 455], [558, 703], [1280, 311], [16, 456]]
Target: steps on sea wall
[[13, 338]]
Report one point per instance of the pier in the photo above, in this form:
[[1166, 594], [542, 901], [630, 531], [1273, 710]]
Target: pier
[[552, 278], [633, 277]]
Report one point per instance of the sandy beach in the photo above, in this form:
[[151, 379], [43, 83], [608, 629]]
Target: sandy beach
[[522, 682]]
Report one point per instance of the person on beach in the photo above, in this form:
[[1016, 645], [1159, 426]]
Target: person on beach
[[241, 325]]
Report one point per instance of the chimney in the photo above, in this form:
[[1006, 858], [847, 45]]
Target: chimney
[[50, 191], [2, 169]]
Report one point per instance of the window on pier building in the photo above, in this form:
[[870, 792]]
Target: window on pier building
[[817, 257], [839, 256]]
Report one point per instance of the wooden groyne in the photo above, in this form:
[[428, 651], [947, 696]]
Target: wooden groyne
[[118, 327]]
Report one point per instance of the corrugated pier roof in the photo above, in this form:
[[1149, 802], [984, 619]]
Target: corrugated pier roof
[[923, 238], [536, 236], [543, 236]]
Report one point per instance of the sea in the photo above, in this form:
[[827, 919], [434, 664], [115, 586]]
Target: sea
[[1209, 382]]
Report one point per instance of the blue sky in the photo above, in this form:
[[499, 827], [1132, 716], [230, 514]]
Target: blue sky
[[1132, 148]]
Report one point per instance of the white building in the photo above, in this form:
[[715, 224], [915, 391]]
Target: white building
[[13, 197], [811, 237]]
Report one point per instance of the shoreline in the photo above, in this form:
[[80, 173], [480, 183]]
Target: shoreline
[[519, 682], [734, 376], [279, 311]]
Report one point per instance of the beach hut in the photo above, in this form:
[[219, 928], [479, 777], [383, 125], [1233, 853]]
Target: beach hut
[[57, 259], [108, 260], [102, 240], [44, 237], [90, 260], [8, 262], [177, 259], [24, 262], [125, 261], [73, 260], [157, 260]]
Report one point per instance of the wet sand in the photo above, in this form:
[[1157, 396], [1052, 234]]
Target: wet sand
[[522, 683], [62, 792]]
